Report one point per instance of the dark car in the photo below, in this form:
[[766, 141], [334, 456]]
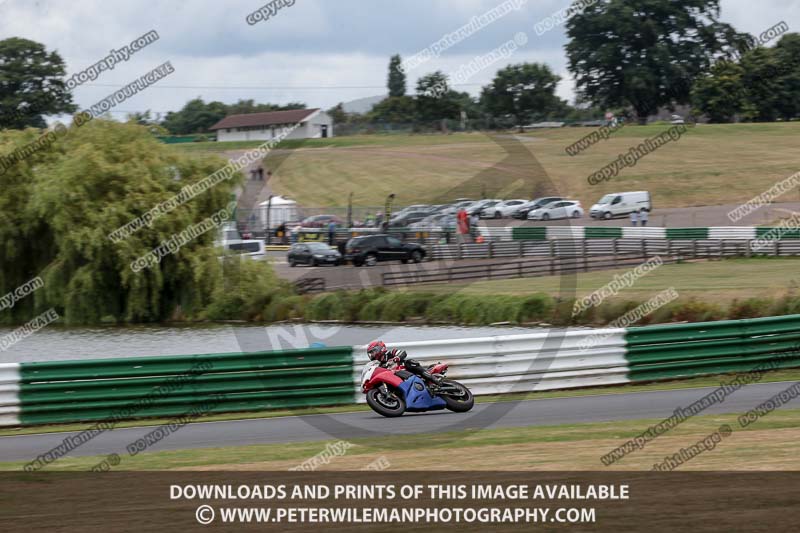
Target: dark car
[[408, 218], [321, 221], [369, 250], [314, 254], [522, 212]]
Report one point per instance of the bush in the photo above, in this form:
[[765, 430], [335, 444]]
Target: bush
[[750, 308], [244, 289], [696, 311], [329, 306], [536, 308], [285, 308], [445, 309], [611, 310]]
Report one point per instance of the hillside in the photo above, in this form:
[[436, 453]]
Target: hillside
[[709, 165]]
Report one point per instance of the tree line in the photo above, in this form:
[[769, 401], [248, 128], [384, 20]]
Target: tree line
[[630, 57]]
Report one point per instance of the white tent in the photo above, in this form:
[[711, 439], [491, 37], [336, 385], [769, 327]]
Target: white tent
[[280, 210]]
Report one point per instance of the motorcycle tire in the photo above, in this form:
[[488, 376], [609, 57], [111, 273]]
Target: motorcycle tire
[[461, 405], [374, 401]]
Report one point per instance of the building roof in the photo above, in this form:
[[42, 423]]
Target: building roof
[[278, 200], [292, 116]]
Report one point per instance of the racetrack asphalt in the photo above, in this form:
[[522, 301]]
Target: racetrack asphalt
[[545, 412]]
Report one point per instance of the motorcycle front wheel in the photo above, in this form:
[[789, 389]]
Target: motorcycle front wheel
[[460, 399], [389, 406]]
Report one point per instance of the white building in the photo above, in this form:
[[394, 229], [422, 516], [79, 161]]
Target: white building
[[313, 124]]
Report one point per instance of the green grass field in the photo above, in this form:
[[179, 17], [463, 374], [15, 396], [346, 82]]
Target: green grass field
[[709, 165], [710, 281]]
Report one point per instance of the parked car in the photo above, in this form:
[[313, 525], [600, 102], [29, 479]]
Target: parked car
[[371, 249], [554, 210], [407, 219], [427, 222], [409, 209], [313, 254], [620, 204], [480, 205], [502, 209], [321, 221], [522, 211], [453, 208]]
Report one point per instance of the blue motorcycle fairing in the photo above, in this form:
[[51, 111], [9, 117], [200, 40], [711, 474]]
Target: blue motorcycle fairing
[[417, 396]]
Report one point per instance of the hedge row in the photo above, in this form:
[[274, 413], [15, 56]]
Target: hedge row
[[468, 309]]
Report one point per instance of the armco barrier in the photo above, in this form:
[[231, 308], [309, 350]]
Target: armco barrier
[[676, 350], [742, 233], [117, 389], [531, 362]]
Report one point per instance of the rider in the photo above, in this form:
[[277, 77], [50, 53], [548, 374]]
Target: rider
[[391, 359]]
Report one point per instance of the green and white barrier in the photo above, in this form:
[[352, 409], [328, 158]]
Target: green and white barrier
[[140, 387], [743, 233], [118, 389]]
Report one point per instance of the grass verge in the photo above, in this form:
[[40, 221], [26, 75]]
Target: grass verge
[[719, 282]]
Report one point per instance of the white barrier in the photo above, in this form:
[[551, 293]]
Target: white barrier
[[521, 363], [9, 394], [638, 232], [743, 233]]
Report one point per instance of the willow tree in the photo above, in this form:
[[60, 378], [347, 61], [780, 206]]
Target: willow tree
[[58, 206]]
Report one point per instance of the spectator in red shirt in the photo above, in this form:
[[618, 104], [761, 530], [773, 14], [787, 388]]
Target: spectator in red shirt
[[462, 222]]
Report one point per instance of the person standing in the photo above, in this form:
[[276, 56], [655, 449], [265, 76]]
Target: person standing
[[331, 233], [634, 218], [462, 225], [643, 217]]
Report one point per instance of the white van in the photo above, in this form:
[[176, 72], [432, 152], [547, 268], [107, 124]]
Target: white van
[[620, 204], [229, 239]]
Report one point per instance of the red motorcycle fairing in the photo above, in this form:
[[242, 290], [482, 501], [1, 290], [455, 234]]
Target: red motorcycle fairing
[[382, 375], [439, 368]]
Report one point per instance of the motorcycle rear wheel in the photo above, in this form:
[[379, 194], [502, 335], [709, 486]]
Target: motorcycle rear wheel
[[458, 404], [390, 407]]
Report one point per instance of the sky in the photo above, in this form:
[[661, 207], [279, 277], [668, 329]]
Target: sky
[[319, 52]]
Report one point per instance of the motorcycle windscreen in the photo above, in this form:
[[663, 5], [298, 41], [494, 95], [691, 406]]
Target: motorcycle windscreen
[[417, 396]]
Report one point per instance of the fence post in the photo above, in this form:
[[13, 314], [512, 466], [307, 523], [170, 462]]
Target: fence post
[[585, 260], [552, 257], [748, 252], [694, 248], [520, 247], [614, 251]]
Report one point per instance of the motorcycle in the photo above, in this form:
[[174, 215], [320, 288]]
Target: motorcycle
[[412, 388]]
